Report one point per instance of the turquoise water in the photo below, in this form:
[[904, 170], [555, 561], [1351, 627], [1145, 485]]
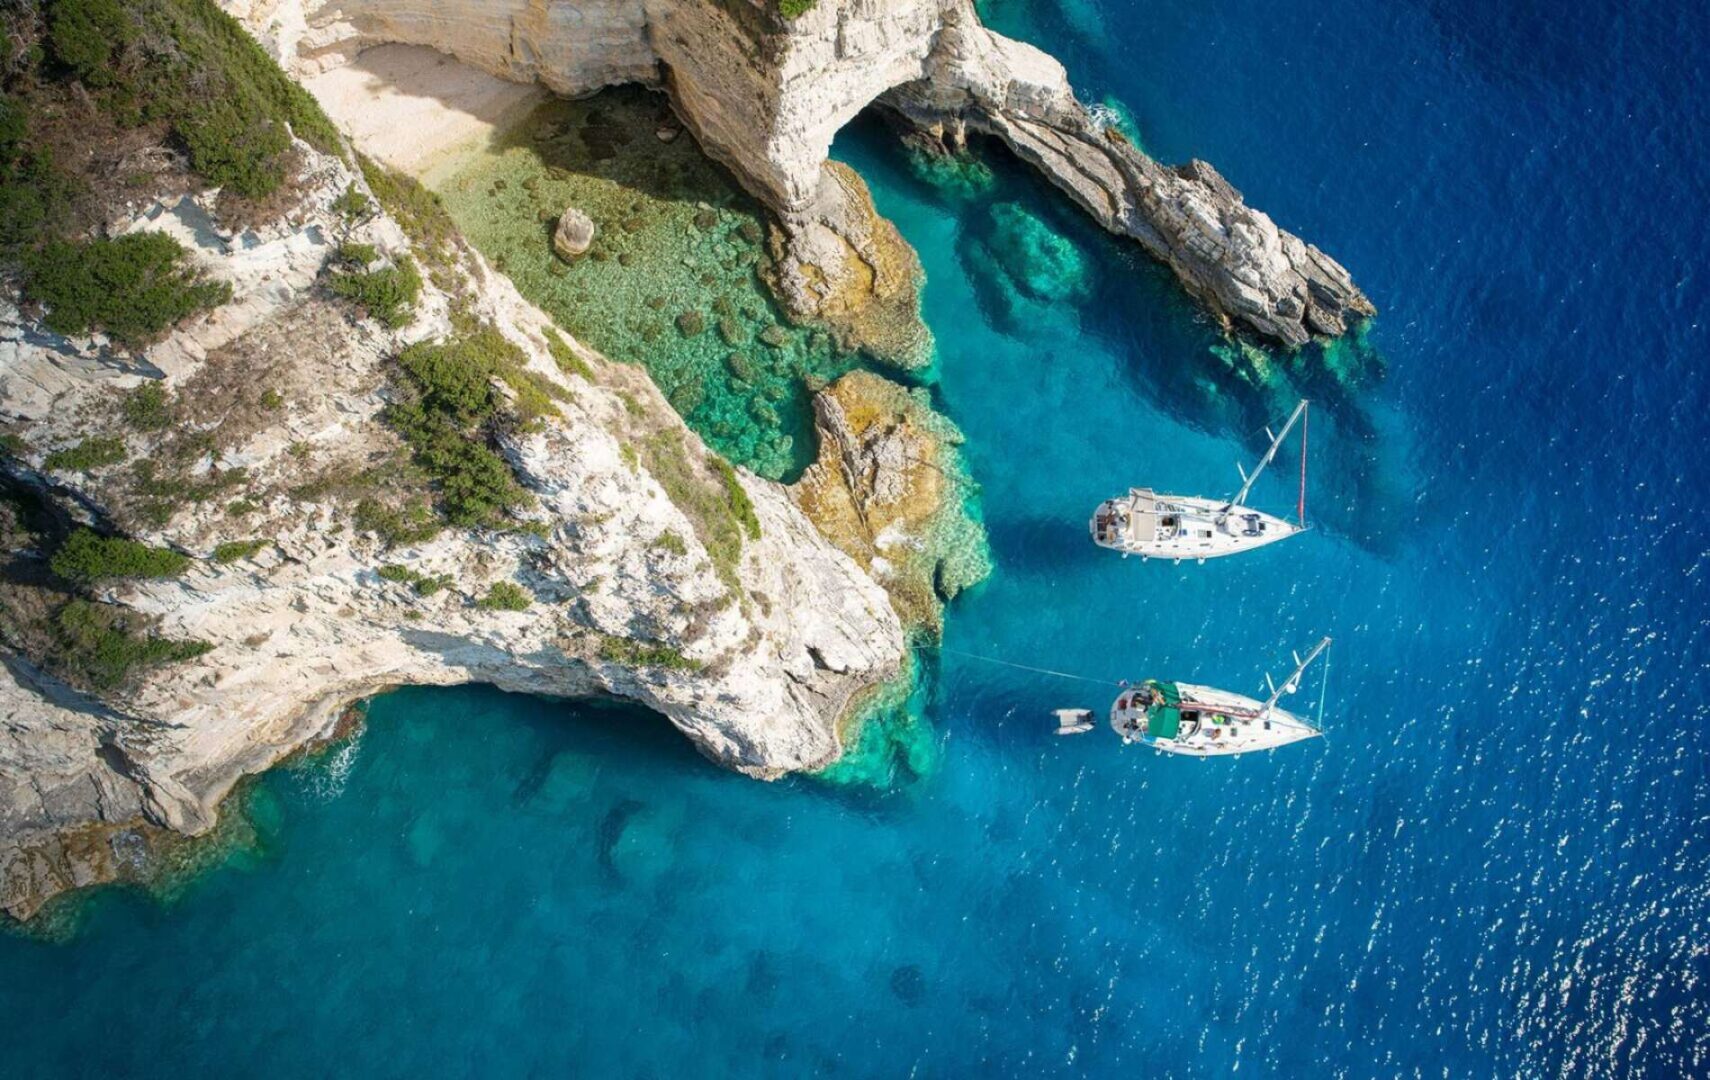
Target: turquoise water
[[1494, 865]]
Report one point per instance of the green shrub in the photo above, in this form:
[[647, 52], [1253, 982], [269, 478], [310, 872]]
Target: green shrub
[[36, 197], [455, 378], [132, 287], [353, 204], [671, 543], [359, 256], [795, 9], [505, 596], [387, 295], [630, 653], [146, 409], [187, 63], [424, 584], [99, 645], [272, 400], [427, 585], [565, 357], [88, 454], [82, 35], [241, 507], [741, 507], [233, 550], [232, 148], [448, 425], [397, 527], [474, 483], [87, 556]]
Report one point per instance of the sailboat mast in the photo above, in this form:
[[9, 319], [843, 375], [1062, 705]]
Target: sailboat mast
[[1305, 429], [1270, 454], [1292, 683]]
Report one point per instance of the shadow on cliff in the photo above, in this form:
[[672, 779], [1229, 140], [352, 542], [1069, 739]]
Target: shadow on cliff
[[627, 135]]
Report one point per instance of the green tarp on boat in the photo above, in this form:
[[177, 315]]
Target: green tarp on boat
[[1163, 721]]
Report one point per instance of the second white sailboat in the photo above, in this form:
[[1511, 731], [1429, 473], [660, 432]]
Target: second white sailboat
[[1179, 527]]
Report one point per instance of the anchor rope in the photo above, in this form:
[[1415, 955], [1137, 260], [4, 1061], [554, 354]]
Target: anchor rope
[[1011, 664]]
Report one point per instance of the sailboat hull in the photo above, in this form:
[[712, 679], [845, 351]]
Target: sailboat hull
[[1183, 527], [1202, 721]]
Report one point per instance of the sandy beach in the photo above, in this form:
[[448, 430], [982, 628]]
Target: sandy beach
[[411, 106]]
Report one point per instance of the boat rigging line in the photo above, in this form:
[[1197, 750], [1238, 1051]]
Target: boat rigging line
[[1011, 664]]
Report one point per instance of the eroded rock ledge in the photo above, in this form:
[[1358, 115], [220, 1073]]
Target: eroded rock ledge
[[766, 95]]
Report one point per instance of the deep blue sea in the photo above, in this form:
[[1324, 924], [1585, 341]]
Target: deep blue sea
[[1496, 863]]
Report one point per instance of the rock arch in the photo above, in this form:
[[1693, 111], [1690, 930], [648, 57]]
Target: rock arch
[[765, 96]]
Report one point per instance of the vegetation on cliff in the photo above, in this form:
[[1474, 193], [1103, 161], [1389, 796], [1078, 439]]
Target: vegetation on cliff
[[47, 612], [87, 556], [101, 645], [451, 419], [132, 287], [386, 294], [186, 65], [89, 89]]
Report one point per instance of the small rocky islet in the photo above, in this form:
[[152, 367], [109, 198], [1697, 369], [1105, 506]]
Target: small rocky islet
[[423, 471]]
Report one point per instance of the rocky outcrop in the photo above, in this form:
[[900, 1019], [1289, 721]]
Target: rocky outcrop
[[766, 95], [889, 488], [1247, 272], [573, 235], [844, 264], [753, 650]]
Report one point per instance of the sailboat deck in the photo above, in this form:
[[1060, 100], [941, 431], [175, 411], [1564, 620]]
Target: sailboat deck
[[1202, 721], [1183, 526]]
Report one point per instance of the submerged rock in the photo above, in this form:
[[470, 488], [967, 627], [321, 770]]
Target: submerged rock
[[957, 173], [908, 984], [574, 235], [1043, 264]]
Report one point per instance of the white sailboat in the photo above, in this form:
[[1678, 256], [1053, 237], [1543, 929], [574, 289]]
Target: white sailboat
[[1179, 527], [1201, 721]]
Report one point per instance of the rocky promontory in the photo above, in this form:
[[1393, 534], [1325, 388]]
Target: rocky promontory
[[276, 438]]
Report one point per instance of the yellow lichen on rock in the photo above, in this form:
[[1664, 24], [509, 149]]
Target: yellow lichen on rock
[[846, 266], [889, 489]]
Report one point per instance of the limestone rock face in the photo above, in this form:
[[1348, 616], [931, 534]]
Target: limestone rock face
[[765, 96], [768, 646], [574, 234], [888, 489]]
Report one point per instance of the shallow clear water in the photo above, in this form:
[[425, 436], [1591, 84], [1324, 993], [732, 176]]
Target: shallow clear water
[[1493, 865]]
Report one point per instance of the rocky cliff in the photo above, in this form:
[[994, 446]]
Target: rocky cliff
[[766, 95], [640, 567]]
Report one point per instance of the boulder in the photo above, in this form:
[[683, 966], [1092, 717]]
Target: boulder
[[574, 235]]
